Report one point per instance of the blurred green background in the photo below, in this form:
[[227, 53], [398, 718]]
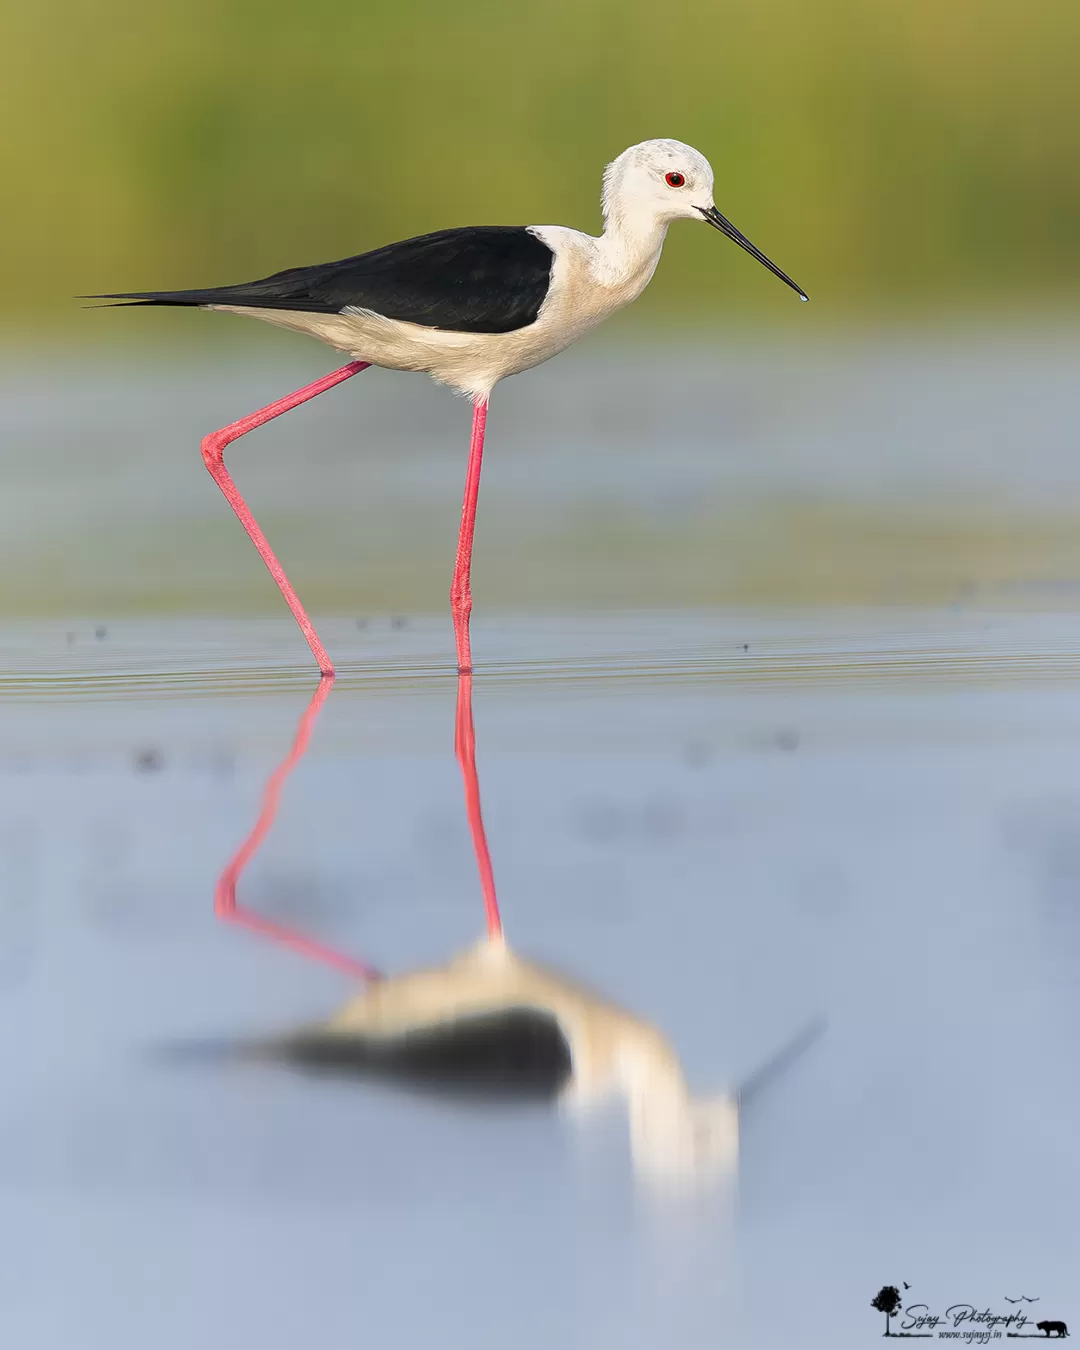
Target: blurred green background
[[893, 155]]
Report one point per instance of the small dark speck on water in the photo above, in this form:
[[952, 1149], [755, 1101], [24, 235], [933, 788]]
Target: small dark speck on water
[[746, 646], [100, 631], [361, 623], [787, 739], [398, 622], [70, 638], [149, 761]]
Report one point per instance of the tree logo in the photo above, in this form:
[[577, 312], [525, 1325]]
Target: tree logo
[[890, 1301]]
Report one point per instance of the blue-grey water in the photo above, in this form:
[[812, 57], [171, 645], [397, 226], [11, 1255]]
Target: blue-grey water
[[861, 799]]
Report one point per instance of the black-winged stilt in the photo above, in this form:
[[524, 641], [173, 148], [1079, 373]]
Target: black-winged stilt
[[469, 307]]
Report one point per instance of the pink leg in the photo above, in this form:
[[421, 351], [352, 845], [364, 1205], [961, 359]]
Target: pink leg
[[460, 587], [461, 608], [213, 452], [225, 903]]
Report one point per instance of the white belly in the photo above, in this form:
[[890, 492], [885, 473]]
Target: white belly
[[471, 363]]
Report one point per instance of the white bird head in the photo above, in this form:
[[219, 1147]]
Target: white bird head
[[685, 1141], [656, 182]]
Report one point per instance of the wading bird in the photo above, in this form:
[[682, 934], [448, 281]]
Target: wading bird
[[469, 307]]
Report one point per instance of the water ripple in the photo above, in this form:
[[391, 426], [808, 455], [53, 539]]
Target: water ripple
[[163, 659]]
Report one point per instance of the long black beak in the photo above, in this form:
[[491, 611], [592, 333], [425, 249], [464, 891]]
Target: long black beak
[[721, 223]]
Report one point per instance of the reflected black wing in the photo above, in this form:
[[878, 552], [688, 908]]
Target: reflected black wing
[[481, 279], [512, 1054]]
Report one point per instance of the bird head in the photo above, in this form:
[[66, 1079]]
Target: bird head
[[663, 180], [685, 1141]]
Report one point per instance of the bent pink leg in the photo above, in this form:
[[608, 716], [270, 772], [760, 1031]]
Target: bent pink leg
[[461, 608], [225, 902], [213, 452]]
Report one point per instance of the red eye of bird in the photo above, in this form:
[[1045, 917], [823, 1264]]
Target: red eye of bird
[[674, 179]]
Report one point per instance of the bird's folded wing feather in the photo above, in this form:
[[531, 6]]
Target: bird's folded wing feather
[[480, 279]]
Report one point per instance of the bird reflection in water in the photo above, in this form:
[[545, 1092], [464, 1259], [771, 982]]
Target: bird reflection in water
[[489, 1025]]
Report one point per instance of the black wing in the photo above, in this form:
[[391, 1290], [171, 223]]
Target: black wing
[[481, 279]]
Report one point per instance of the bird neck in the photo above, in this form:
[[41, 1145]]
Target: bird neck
[[660, 1112], [630, 246], [648, 1070]]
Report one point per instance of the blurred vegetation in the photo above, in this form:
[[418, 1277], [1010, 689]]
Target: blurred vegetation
[[890, 154]]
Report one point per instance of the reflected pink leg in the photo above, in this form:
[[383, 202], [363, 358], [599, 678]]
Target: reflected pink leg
[[225, 903], [461, 608], [465, 748], [213, 452]]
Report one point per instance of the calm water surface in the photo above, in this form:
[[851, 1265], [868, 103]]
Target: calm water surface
[[728, 821], [793, 730]]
